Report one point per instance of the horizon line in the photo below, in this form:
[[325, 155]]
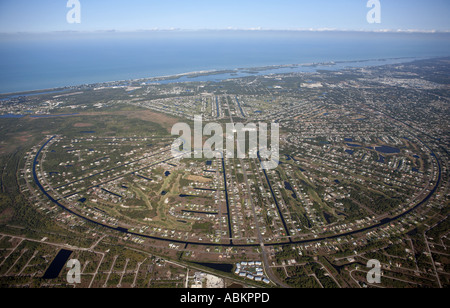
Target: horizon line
[[257, 29]]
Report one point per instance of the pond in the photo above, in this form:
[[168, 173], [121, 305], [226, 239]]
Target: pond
[[11, 116], [223, 267], [57, 264], [186, 196], [387, 150], [288, 186]]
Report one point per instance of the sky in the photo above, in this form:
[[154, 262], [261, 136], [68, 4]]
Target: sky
[[135, 15]]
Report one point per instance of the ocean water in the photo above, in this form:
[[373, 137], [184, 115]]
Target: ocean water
[[45, 61]]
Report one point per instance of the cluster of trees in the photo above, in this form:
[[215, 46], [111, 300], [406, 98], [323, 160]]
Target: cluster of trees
[[14, 206]]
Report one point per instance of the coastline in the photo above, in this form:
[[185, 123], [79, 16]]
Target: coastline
[[221, 74]]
